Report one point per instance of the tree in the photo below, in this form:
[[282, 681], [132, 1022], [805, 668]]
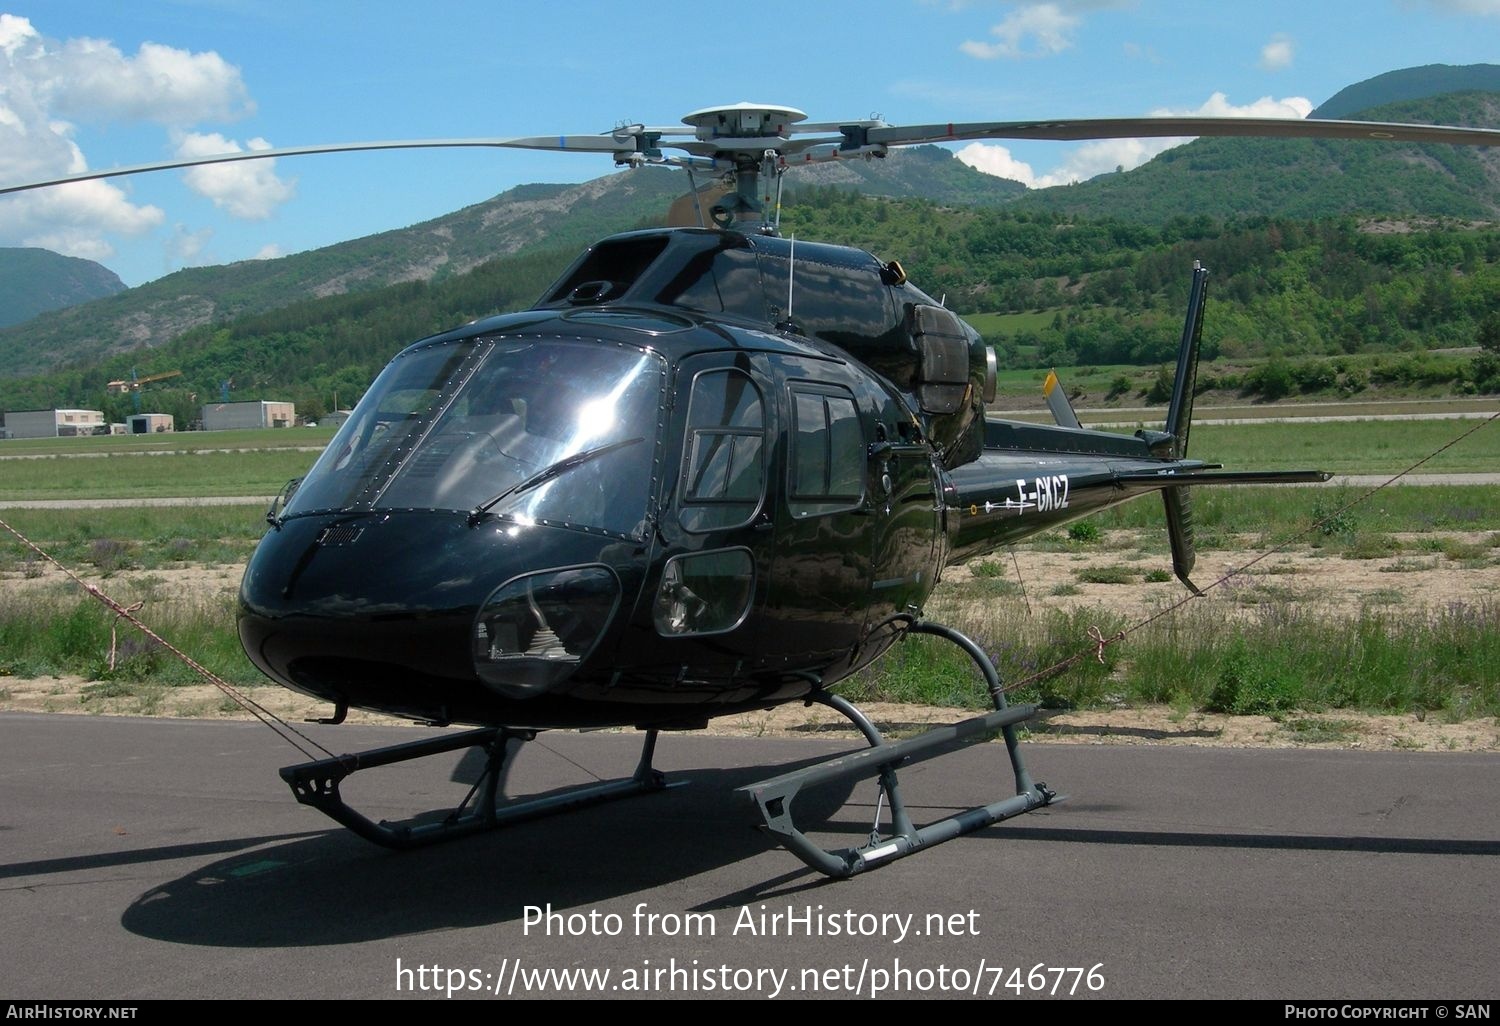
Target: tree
[[1488, 335]]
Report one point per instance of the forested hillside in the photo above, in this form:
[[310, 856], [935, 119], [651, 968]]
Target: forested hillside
[[33, 281], [1305, 178], [1316, 249], [1055, 290]]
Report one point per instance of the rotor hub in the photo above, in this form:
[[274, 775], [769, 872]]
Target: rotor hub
[[744, 120]]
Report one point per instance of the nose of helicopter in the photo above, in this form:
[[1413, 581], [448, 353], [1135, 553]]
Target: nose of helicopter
[[419, 614]]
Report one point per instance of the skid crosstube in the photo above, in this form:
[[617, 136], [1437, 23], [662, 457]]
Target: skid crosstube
[[774, 797], [317, 784]]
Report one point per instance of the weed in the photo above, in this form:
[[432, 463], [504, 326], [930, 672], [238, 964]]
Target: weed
[[1084, 532], [1315, 730], [988, 568], [109, 555], [1107, 575], [1330, 517], [108, 689], [1408, 566], [1066, 589], [150, 698], [1458, 551], [1158, 576], [1371, 546], [1252, 681]]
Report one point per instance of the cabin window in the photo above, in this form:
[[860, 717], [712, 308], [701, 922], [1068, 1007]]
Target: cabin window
[[828, 448], [723, 474], [724, 281], [704, 593], [842, 305]]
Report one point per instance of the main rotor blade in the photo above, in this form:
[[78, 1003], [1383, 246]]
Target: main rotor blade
[[623, 142], [1172, 127], [574, 143]]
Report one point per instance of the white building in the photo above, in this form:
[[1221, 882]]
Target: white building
[[54, 423], [233, 416]]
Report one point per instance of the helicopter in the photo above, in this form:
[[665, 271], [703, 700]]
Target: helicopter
[[712, 470]]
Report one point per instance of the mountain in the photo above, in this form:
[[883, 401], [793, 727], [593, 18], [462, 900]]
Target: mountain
[[913, 172], [529, 218], [1210, 178], [1227, 178], [34, 281], [523, 218], [1409, 84]]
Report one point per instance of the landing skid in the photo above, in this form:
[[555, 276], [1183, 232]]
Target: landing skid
[[317, 784], [774, 797]]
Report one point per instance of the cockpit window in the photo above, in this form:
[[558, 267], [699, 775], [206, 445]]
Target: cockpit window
[[553, 430]]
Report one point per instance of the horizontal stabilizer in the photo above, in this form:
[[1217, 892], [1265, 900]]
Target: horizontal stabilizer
[[1226, 477]]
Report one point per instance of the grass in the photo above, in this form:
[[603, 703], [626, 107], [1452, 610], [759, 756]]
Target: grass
[[1350, 447], [53, 633], [147, 537], [261, 472], [1279, 514], [1107, 575], [1283, 657], [190, 441]]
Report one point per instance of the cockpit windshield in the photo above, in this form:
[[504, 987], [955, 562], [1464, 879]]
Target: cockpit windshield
[[551, 431]]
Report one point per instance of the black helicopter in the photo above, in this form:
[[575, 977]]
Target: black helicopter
[[712, 470]]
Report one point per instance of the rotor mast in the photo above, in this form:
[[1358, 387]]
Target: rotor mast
[[749, 140]]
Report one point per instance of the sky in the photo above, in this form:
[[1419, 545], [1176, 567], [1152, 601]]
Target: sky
[[86, 84]]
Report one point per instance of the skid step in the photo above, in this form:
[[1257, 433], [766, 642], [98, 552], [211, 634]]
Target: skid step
[[774, 798]]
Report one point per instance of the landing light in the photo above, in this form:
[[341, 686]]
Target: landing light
[[533, 632]]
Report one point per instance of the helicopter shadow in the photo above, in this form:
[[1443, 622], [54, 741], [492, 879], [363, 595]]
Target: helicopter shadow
[[333, 888]]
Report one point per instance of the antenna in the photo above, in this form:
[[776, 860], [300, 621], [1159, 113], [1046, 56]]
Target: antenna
[[780, 181], [791, 275], [693, 188]]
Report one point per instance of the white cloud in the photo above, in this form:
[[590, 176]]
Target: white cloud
[[270, 251], [1278, 53], [246, 189], [1039, 30], [1105, 155], [186, 248], [75, 220], [46, 85], [997, 161], [1218, 106]]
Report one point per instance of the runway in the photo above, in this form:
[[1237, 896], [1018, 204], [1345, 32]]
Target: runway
[[165, 859]]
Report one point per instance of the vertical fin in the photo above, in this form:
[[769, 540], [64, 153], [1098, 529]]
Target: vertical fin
[[1179, 499], [1180, 412], [1057, 402]]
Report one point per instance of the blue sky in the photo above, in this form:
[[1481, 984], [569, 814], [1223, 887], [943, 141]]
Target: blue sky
[[95, 84]]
